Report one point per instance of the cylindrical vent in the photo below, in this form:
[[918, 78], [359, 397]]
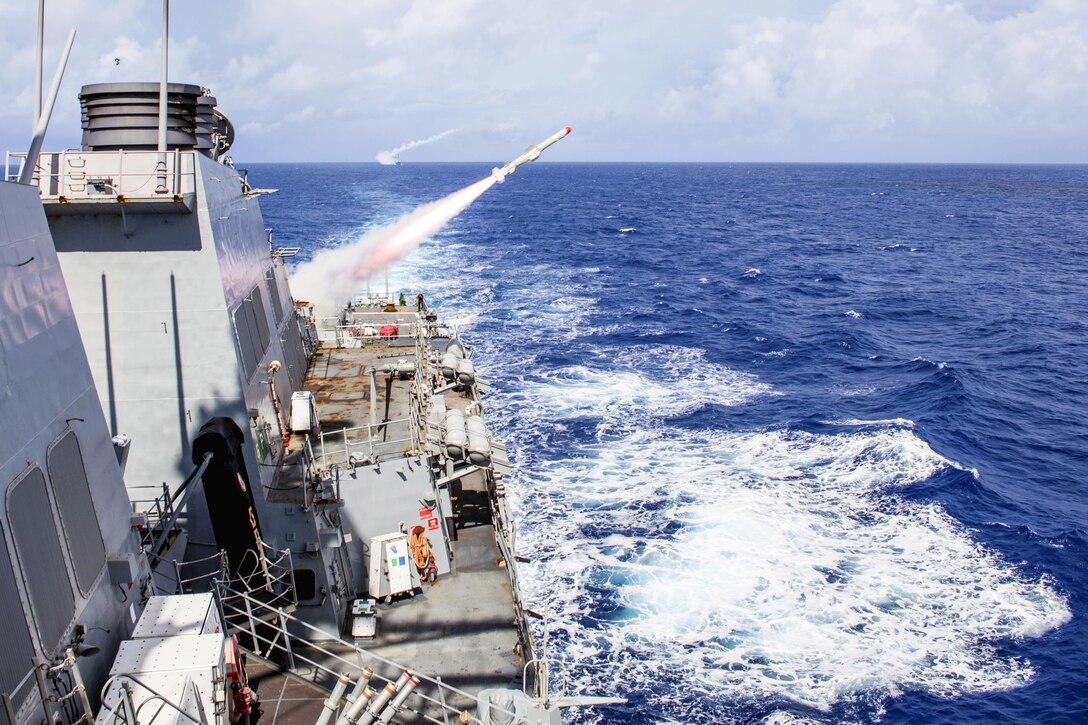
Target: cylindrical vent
[[126, 116]]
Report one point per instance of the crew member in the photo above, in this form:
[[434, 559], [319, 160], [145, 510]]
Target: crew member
[[421, 306]]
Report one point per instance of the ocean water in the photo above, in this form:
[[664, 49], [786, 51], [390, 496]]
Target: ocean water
[[794, 443]]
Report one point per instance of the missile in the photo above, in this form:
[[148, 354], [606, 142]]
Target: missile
[[532, 153]]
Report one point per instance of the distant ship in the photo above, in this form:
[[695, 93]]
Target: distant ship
[[213, 493]]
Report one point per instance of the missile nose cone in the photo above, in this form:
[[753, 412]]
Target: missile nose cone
[[567, 129]]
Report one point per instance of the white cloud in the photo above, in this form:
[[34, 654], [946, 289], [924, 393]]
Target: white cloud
[[775, 79], [901, 67]]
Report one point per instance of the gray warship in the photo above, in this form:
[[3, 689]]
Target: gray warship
[[220, 507]]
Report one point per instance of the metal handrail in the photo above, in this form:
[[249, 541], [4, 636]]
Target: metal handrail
[[168, 508], [126, 701], [253, 607], [103, 177], [182, 582], [350, 334], [13, 701], [278, 568], [376, 450], [503, 540]]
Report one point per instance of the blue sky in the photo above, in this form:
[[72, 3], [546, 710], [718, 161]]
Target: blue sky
[[639, 80]]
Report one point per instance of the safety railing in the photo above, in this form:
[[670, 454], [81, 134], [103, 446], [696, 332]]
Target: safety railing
[[356, 333], [358, 326], [163, 511], [271, 575], [505, 538], [197, 575], [109, 175], [158, 511], [371, 443], [269, 634], [20, 696], [127, 712], [61, 699], [270, 571]]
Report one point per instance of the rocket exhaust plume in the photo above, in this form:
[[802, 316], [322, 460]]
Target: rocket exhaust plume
[[333, 276], [391, 157]]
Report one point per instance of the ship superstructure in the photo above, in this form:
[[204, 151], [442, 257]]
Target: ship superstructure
[[71, 569], [189, 326]]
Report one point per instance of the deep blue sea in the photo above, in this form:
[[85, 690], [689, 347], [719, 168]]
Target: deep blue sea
[[794, 443]]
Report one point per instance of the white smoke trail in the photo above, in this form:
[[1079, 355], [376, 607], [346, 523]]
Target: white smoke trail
[[333, 276], [388, 158]]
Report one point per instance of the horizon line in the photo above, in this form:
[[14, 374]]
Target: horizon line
[[722, 163]]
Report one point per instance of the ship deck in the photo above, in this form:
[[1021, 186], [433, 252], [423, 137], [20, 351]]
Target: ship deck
[[461, 628], [341, 383]]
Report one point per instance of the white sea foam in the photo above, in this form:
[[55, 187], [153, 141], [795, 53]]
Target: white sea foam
[[760, 564], [849, 391], [882, 422], [940, 365], [853, 313], [781, 717], [632, 387]]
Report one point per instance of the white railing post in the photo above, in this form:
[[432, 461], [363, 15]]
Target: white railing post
[[252, 625], [287, 643], [130, 708], [177, 573], [177, 172]]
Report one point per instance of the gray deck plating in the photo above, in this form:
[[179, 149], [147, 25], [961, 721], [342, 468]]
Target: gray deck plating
[[461, 628]]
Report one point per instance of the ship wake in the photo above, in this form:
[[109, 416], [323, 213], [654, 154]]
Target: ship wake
[[710, 567]]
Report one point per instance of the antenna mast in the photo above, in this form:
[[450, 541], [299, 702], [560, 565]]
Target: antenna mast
[[161, 166], [37, 110]]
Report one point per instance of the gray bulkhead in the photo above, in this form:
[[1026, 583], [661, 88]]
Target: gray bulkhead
[[182, 313], [63, 504]]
